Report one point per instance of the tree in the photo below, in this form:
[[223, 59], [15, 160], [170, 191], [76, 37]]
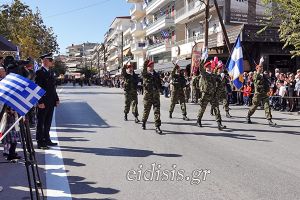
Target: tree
[[26, 29], [59, 67], [287, 14]]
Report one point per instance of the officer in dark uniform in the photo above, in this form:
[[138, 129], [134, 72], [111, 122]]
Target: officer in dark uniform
[[45, 79]]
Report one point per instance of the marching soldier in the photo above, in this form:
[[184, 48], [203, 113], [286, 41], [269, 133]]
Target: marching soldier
[[221, 90], [152, 85], [195, 87], [130, 87], [262, 87], [208, 86], [179, 83]]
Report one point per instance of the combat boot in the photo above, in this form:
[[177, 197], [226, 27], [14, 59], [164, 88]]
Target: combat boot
[[125, 117], [185, 118], [212, 112], [144, 126], [170, 115], [220, 126], [248, 120], [271, 123], [199, 124], [136, 120], [228, 114], [157, 130]]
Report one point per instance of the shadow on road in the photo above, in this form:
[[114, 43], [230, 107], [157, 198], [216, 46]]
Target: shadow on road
[[74, 115], [220, 134], [117, 151]]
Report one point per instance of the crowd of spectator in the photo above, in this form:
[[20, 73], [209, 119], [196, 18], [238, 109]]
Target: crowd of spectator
[[284, 88]]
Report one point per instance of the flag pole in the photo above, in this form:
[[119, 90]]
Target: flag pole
[[10, 128]]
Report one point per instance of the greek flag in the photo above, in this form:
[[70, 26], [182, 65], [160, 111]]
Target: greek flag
[[35, 66], [165, 34], [19, 93], [204, 54], [235, 65], [17, 57]]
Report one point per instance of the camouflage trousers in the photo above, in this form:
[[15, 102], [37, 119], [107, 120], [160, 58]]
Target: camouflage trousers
[[187, 93], [225, 104], [178, 95], [152, 99], [131, 99], [195, 94], [204, 100], [255, 103]]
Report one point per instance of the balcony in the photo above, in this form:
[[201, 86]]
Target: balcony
[[114, 55], [161, 23], [184, 47], [154, 5], [138, 47], [182, 16], [137, 11], [159, 48], [137, 29]]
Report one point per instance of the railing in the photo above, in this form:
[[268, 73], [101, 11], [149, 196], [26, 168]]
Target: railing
[[153, 46], [151, 3], [162, 18], [191, 39], [190, 7]]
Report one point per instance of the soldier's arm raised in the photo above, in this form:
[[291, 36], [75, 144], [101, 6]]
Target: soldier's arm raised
[[144, 72], [123, 73]]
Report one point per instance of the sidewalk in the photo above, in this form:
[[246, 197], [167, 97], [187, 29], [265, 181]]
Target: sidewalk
[[13, 176]]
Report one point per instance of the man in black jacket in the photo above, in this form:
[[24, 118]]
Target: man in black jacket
[[45, 79]]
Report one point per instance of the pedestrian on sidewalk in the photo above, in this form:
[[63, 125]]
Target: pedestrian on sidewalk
[[13, 137]]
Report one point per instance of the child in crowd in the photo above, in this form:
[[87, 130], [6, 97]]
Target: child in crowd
[[13, 137], [246, 93]]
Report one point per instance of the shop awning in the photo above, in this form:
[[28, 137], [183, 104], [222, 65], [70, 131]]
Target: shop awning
[[127, 52], [6, 45]]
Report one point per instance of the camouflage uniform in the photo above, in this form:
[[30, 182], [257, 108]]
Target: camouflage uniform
[[196, 89], [262, 86], [208, 86], [178, 82], [152, 85], [130, 88], [222, 94]]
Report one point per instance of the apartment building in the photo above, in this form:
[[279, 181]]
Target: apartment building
[[79, 56], [138, 32], [119, 31]]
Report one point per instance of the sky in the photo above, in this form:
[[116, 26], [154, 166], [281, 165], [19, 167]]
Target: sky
[[78, 21]]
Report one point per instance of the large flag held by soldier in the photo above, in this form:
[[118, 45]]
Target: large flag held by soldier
[[236, 65]]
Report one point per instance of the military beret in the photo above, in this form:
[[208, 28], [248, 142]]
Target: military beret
[[207, 64], [150, 63]]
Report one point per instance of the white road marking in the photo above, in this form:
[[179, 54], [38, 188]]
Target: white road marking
[[57, 183]]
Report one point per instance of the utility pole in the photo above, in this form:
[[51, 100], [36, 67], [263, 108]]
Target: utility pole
[[206, 23], [223, 26], [122, 46]]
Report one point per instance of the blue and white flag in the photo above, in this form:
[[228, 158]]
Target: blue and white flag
[[165, 34], [236, 65], [35, 66], [17, 57], [19, 93], [204, 54]]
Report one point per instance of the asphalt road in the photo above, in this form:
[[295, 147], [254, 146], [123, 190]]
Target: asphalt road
[[104, 154], [105, 157]]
